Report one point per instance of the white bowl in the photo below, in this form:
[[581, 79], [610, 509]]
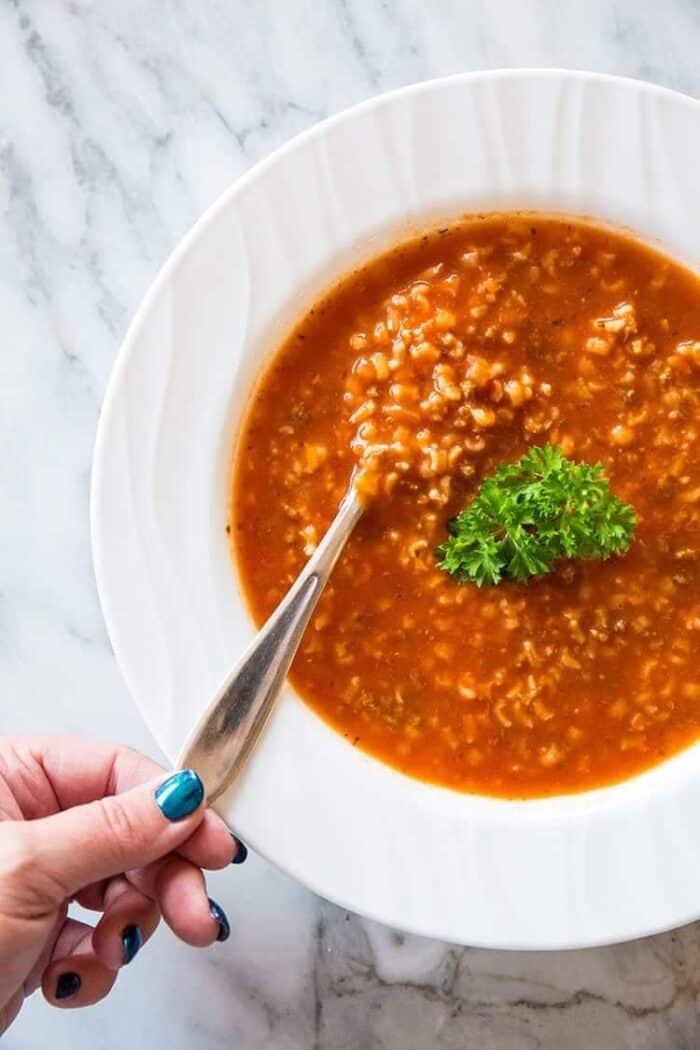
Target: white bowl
[[585, 869]]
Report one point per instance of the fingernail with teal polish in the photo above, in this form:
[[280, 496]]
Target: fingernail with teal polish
[[132, 941], [67, 985], [241, 851], [180, 794], [218, 913]]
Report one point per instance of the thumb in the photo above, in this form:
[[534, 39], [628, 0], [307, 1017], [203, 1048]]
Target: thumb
[[103, 838]]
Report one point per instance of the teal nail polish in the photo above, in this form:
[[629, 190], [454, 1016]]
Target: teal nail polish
[[132, 941], [180, 794], [67, 985], [218, 913], [241, 850]]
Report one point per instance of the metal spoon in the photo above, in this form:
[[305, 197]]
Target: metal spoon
[[227, 732]]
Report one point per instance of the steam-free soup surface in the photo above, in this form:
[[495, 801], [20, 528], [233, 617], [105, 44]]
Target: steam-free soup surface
[[425, 370]]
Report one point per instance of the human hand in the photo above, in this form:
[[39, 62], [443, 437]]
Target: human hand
[[108, 828]]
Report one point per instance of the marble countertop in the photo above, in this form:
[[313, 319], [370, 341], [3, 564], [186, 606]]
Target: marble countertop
[[119, 123]]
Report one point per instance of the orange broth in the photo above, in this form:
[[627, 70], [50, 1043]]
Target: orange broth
[[426, 369]]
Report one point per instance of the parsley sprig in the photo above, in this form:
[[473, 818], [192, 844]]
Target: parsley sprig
[[532, 513]]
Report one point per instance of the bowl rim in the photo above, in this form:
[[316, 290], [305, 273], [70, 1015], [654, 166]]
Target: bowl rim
[[129, 346]]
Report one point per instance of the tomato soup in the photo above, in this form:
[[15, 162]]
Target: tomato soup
[[422, 372]]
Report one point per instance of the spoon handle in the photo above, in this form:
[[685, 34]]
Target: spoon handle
[[227, 732]]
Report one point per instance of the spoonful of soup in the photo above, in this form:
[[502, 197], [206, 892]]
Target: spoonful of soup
[[413, 413]]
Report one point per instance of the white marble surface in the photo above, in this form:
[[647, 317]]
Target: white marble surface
[[120, 121]]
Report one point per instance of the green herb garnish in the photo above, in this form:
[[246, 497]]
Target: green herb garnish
[[532, 513]]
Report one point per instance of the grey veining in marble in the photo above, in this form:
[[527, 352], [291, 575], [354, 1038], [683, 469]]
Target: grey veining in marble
[[120, 121]]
